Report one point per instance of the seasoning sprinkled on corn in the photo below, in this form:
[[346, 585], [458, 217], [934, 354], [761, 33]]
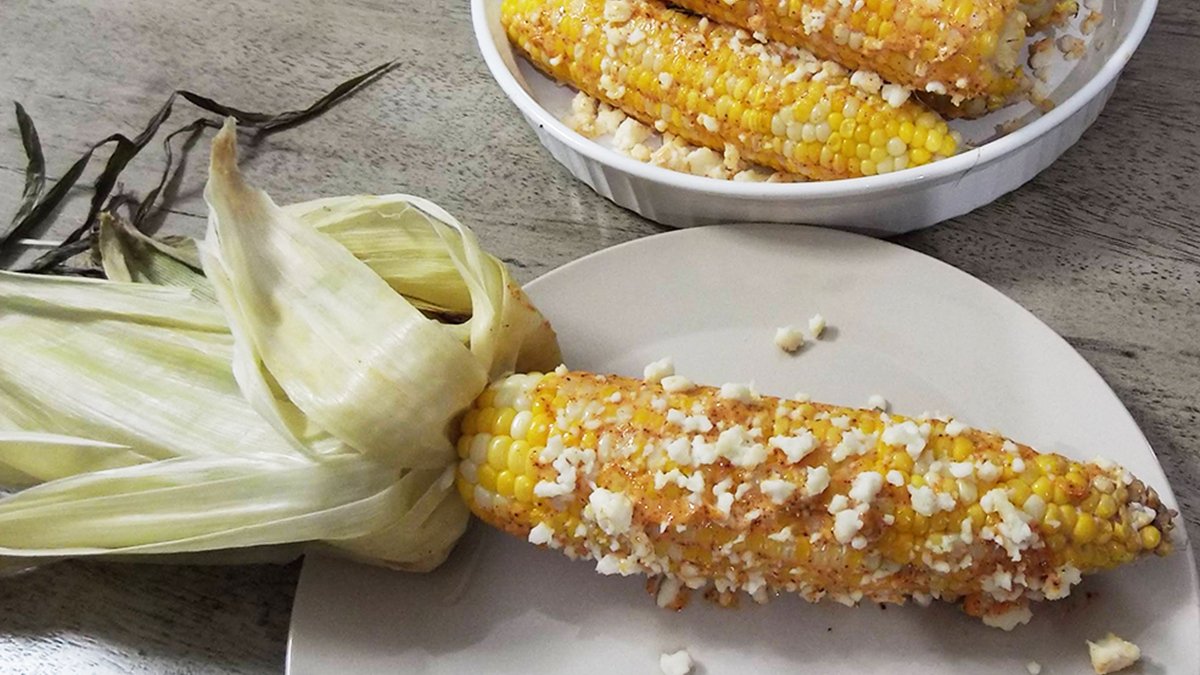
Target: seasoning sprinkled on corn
[[721, 488], [963, 49], [718, 87]]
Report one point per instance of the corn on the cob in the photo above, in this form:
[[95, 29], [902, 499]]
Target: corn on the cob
[[696, 485], [715, 86], [964, 49]]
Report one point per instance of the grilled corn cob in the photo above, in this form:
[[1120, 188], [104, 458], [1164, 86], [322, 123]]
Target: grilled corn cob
[[697, 486], [964, 49], [715, 86]]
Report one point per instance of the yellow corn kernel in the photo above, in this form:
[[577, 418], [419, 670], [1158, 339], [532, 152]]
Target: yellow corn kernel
[[976, 514], [1085, 529], [468, 424], [963, 448], [904, 519], [504, 483], [1151, 537], [1018, 491], [463, 446], [523, 488], [1106, 508], [539, 431], [517, 459], [1069, 516], [486, 478], [1051, 465], [486, 399], [504, 420], [1052, 520], [465, 490], [1044, 488]]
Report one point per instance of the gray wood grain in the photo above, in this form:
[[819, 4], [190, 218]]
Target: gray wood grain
[[1102, 246]]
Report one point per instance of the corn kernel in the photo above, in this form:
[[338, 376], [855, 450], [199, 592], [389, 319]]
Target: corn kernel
[[1044, 488], [539, 431], [463, 446], [497, 452], [504, 420], [504, 483], [963, 448], [1085, 529], [487, 478], [1151, 537], [523, 488], [1106, 508], [468, 424], [518, 457]]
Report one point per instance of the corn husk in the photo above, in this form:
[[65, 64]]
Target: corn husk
[[309, 403]]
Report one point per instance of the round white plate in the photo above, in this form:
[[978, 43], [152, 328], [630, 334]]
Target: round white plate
[[904, 325], [888, 204]]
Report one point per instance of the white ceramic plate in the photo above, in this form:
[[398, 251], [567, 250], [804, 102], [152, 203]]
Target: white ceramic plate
[[888, 204], [902, 324]]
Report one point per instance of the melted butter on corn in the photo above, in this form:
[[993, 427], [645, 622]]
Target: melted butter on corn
[[762, 495]]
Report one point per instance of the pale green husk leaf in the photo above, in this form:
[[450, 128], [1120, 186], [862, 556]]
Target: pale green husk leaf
[[309, 403]]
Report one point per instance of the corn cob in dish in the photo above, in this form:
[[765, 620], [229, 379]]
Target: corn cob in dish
[[701, 487], [717, 87], [964, 49]]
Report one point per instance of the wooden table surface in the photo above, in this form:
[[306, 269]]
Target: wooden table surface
[[1103, 246]]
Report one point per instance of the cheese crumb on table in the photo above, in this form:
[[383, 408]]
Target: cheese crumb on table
[[1112, 654], [789, 338], [677, 663], [816, 326], [877, 402], [1034, 668]]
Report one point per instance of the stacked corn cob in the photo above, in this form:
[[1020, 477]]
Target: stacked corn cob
[[697, 486], [963, 49], [715, 86]]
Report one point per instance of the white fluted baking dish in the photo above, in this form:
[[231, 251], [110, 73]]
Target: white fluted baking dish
[[886, 204]]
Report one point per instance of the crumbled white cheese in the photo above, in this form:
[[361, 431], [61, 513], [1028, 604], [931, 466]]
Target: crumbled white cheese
[[988, 472], [787, 338], [1112, 654], [896, 478], [838, 504], [924, 501], [607, 120], [680, 451], [816, 481], [908, 434], [867, 81], [816, 326], [801, 397], [742, 393], [840, 422], [617, 11], [866, 486], [610, 563], [795, 448], [705, 162], [1072, 47], [846, 525], [962, 469], [541, 534], [813, 20], [668, 592], [1034, 668], [936, 87], [1009, 619], [895, 94], [954, 428], [777, 489], [613, 511], [676, 384], [877, 402], [854, 443], [738, 446], [1058, 585], [630, 133], [1018, 465], [783, 536]]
